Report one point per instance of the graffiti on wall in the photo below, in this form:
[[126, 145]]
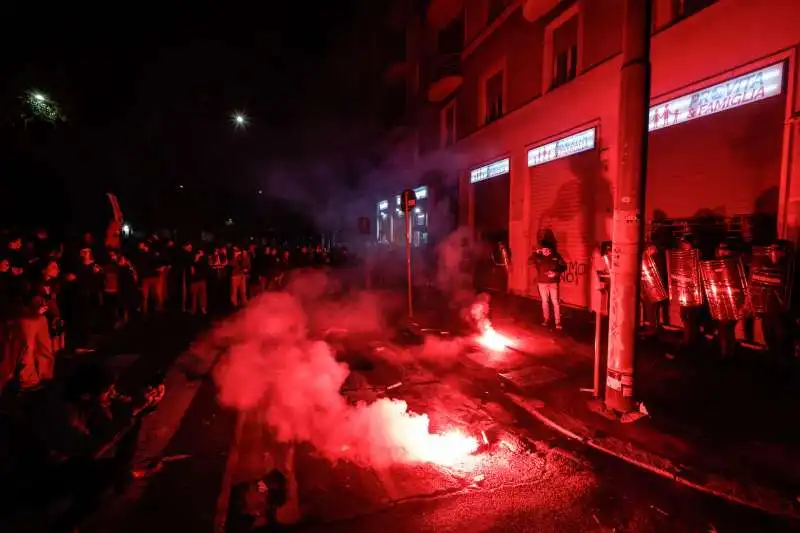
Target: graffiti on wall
[[576, 272]]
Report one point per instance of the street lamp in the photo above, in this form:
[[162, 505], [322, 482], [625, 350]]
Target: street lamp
[[240, 120]]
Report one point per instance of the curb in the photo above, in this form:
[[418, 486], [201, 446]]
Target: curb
[[769, 501]]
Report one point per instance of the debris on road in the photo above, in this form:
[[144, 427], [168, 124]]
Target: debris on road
[[147, 470], [661, 511], [176, 457]]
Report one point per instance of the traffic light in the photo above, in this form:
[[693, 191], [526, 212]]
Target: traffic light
[[408, 200]]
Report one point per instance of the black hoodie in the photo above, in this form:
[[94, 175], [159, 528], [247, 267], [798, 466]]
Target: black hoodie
[[549, 267]]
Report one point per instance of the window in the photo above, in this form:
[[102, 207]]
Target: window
[[565, 52], [493, 91], [667, 12], [494, 9], [448, 119], [450, 40], [685, 8]]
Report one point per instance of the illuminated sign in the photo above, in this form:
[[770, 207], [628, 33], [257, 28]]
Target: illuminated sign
[[383, 205], [574, 144], [498, 168], [733, 93]]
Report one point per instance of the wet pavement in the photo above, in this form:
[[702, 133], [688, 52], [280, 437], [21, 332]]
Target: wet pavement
[[527, 479]]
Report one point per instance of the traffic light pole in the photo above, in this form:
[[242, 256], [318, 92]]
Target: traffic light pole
[[628, 227], [408, 259]]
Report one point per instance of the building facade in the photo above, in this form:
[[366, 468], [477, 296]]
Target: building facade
[[522, 120]]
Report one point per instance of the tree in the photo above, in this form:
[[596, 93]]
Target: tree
[[38, 106]]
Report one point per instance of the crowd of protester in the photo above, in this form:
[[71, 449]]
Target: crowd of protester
[[57, 296]]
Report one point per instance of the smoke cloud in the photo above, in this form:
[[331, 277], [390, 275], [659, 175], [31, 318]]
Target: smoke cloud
[[453, 280], [274, 363]]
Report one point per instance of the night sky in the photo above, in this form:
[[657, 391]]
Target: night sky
[[149, 94]]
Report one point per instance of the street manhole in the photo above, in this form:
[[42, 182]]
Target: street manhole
[[532, 376]]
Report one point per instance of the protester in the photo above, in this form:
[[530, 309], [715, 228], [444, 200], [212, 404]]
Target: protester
[[56, 297], [549, 265], [198, 283]]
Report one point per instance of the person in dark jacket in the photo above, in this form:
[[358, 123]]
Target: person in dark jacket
[[50, 291], [240, 269], [151, 284], [113, 307], [549, 266], [198, 274], [85, 289], [128, 288]]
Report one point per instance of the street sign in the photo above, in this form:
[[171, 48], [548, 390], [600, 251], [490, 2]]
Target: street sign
[[408, 200], [364, 225]]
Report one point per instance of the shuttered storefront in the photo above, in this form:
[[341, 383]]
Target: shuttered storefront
[[565, 188], [727, 163], [719, 153], [491, 188]]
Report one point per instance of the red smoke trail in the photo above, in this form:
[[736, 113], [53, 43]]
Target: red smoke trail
[[271, 363]]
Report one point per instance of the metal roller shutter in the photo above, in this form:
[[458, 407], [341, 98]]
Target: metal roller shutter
[[491, 205], [491, 226], [562, 205], [727, 163]]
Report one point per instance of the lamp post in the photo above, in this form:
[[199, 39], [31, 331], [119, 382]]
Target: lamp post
[[240, 120]]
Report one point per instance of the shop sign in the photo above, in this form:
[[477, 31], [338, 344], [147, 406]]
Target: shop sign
[[574, 144], [745, 89], [498, 168]]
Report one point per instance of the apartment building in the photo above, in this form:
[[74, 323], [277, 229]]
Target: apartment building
[[520, 117]]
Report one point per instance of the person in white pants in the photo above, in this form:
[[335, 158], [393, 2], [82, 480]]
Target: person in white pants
[[549, 266]]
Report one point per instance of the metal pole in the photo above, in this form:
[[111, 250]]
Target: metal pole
[[628, 233], [408, 261], [598, 331]]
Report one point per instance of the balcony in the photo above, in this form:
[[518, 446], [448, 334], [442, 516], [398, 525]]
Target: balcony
[[533, 10], [445, 78]]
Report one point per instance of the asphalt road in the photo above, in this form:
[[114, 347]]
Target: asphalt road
[[527, 479]]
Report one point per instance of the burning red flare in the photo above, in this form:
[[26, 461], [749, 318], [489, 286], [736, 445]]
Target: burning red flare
[[488, 336], [450, 448], [411, 431], [491, 339]]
